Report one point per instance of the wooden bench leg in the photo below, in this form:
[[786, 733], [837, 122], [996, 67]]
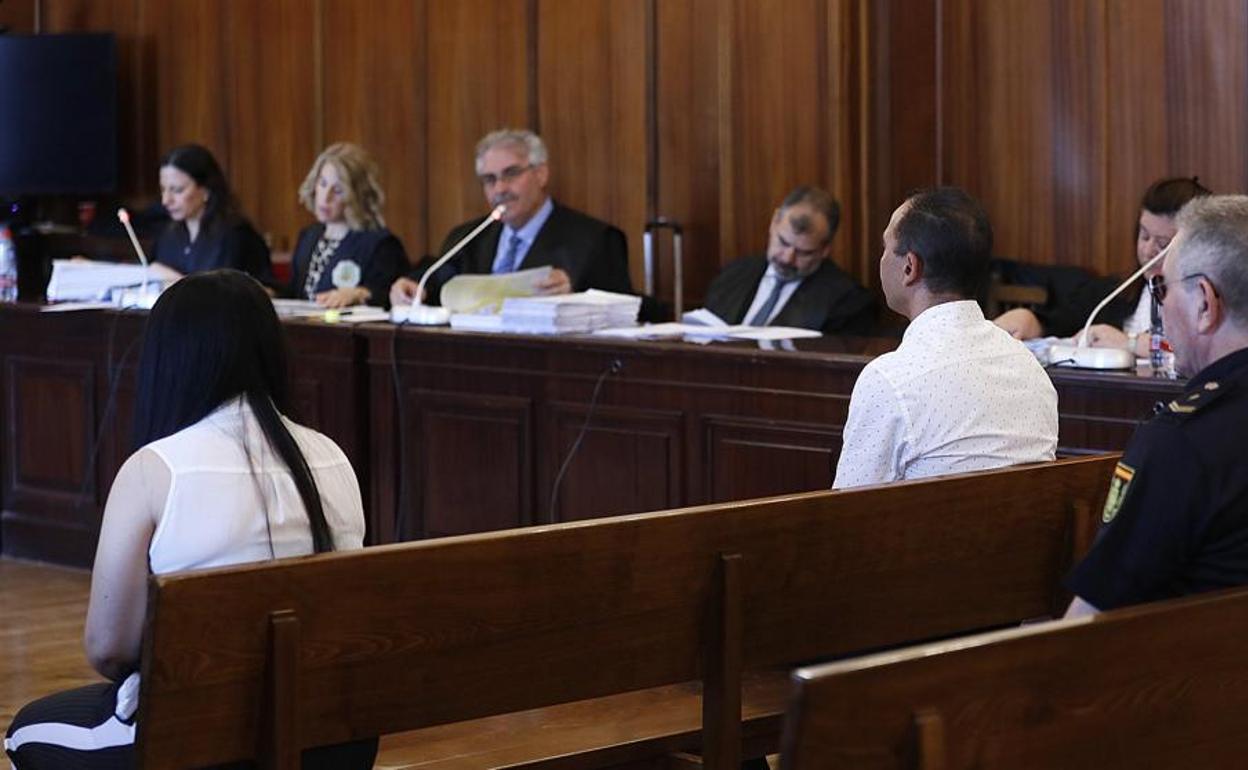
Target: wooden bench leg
[[721, 690], [280, 744]]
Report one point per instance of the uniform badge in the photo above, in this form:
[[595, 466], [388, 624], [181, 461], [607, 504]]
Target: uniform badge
[[1117, 491]]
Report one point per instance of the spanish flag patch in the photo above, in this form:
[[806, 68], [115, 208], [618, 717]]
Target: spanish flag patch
[[1118, 485]]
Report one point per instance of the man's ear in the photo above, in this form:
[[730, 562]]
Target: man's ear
[[1209, 310], [912, 270]]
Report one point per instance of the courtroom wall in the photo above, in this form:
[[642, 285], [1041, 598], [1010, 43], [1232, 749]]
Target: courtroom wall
[[1057, 113]]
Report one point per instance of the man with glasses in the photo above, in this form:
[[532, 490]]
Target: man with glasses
[[1176, 518], [795, 284], [535, 230]]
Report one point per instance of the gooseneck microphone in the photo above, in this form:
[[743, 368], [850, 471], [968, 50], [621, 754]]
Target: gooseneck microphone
[[425, 315], [1080, 355], [124, 216]]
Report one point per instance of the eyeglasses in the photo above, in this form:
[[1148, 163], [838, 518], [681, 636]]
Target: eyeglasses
[[509, 174], [1157, 285]]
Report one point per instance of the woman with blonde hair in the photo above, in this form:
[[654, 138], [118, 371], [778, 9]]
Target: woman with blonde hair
[[348, 257]]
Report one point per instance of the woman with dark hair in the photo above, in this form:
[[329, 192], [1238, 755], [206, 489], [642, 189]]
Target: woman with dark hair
[[348, 257], [207, 231], [1125, 322], [220, 477]]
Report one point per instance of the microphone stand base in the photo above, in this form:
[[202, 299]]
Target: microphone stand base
[[1090, 358], [420, 315]]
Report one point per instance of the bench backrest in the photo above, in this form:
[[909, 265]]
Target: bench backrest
[[334, 647], [1154, 686]]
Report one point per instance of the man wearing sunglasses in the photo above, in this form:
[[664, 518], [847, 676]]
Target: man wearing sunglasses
[[535, 230], [1176, 518]]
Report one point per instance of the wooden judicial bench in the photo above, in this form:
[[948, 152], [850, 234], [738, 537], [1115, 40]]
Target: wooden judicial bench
[[263, 659], [1153, 686], [482, 424]]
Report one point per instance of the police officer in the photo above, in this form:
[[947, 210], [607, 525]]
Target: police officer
[[1176, 518]]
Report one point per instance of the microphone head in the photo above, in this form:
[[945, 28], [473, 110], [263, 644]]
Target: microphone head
[[123, 215], [498, 212]]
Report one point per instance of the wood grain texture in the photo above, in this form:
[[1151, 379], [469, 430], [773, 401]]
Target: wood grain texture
[[508, 621], [1155, 686], [44, 609]]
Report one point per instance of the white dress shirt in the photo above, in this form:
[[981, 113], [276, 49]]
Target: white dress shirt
[[765, 286], [1141, 320], [232, 500], [959, 394]]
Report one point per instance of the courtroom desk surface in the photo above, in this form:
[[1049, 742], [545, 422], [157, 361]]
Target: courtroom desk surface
[[484, 422]]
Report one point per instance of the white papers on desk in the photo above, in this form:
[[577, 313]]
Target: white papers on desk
[[297, 308], [472, 293], [75, 279], [700, 333], [69, 307], [775, 333], [569, 313]]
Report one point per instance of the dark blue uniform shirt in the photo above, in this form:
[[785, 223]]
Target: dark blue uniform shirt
[[1176, 518]]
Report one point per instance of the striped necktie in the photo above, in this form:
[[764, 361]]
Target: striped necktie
[[764, 312], [508, 265]]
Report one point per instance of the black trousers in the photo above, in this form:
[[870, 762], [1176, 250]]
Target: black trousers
[[79, 730]]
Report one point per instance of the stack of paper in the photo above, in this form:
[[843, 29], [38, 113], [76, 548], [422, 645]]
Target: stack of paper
[[85, 280], [569, 313]]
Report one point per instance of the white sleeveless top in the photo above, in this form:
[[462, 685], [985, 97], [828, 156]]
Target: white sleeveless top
[[227, 482]]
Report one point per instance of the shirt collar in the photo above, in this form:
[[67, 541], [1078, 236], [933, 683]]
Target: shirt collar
[[958, 313], [528, 233]]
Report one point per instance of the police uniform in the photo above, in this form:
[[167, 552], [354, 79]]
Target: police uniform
[[1176, 518]]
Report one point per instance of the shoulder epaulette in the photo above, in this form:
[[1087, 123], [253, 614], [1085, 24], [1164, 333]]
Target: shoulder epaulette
[[1190, 403]]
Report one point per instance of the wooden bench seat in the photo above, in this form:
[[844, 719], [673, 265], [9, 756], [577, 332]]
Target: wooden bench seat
[[262, 659], [1154, 686]]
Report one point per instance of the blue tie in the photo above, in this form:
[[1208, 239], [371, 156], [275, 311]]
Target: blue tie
[[508, 265], [764, 312]]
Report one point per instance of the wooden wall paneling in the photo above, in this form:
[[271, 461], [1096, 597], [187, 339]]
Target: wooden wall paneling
[[686, 138], [854, 247], [374, 94], [192, 54], [1207, 91], [630, 460], [480, 74], [902, 144], [1022, 123], [1138, 115], [136, 113], [19, 16], [491, 433], [1078, 227], [774, 112], [592, 106], [797, 457], [269, 98]]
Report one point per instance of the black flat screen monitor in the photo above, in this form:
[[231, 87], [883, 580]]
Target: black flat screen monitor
[[58, 114]]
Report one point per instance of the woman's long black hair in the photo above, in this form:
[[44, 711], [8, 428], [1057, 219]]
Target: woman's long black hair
[[211, 337]]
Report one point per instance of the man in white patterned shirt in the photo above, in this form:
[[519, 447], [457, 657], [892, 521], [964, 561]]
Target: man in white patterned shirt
[[959, 394]]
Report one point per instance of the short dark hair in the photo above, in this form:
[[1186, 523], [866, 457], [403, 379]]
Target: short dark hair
[[212, 337], [1166, 196], [197, 162], [950, 232], [817, 199]]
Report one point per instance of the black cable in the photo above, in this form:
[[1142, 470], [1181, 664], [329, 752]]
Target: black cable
[[114, 380], [400, 531], [613, 367], [1058, 363]]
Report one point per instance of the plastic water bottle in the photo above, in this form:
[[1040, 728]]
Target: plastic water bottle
[[8, 266]]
